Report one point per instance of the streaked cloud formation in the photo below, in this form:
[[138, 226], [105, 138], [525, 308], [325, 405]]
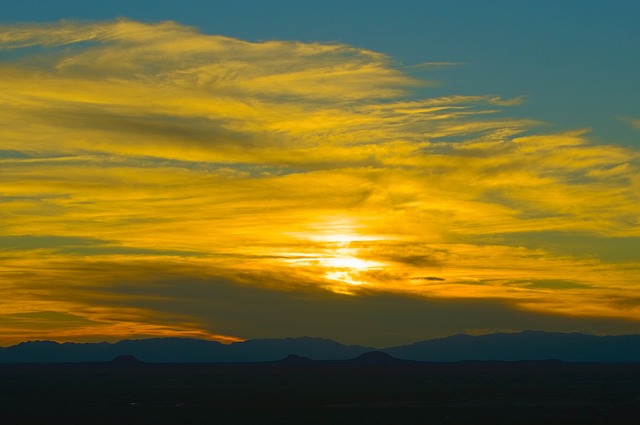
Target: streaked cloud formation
[[153, 176], [635, 122]]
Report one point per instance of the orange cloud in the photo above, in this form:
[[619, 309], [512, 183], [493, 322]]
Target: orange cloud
[[146, 155]]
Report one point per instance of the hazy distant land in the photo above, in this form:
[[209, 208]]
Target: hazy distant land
[[528, 345], [520, 378]]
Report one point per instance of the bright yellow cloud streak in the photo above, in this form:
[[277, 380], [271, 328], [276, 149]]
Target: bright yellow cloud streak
[[137, 153]]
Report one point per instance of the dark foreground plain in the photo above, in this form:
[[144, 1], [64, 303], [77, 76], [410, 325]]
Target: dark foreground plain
[[321, 393]]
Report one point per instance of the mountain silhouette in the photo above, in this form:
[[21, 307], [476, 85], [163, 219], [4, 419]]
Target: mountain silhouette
[[527, 345], [180, 350], [258, 350], [126, 360], [293, 359], [376, 358]]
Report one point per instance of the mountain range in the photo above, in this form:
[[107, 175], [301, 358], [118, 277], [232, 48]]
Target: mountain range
[[527, 345]]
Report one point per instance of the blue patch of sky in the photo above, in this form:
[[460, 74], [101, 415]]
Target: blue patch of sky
[[12, 154], [574, 60]]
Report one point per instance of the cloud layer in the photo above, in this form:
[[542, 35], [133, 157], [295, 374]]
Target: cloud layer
[[137, 159]]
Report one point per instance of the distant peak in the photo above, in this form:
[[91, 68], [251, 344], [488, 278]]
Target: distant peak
[[376, 357], [126, 360], [39, 342], [295, 359]]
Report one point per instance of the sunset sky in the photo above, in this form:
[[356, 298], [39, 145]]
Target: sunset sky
[[375, 172]]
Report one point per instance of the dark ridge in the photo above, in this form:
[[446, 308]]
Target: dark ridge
[[376, 357], [260, 350], [295, 360], [523, 346], [126, 360], [526, 345]]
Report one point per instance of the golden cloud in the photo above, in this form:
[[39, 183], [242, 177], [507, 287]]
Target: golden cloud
[[280, 165]]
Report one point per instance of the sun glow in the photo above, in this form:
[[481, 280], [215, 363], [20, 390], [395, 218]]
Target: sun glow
[[344, 277], [351, 263], [347, 269], [343, 263], [159, 181], [339, 253]]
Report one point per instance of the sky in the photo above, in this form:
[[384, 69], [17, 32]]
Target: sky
[[374, 172]]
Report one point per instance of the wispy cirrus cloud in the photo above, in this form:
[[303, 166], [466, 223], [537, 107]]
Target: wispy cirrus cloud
[[635, 122], [151, 154]]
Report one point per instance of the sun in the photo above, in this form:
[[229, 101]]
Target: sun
[[338, 252], [343, 264], [351, 263]]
